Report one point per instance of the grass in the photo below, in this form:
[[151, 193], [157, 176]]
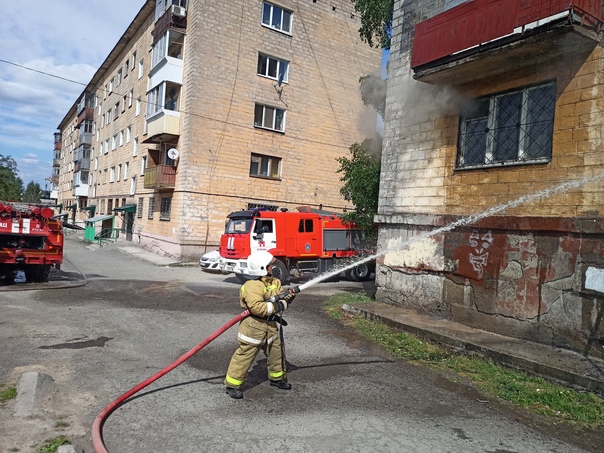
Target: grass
[[52, 445], [7, 393], [555, 402]]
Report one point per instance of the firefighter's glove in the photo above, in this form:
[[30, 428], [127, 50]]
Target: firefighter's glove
[[289, 297], [280, 306]]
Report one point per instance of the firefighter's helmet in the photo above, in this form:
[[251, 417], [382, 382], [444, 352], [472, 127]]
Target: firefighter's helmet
[[257, 263]]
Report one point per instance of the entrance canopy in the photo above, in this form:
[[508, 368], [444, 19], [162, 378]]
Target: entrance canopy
[[126, 208], [99, 218]]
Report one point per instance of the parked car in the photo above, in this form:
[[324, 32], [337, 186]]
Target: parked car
[[211, 262]]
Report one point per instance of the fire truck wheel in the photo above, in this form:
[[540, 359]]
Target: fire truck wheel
[[44, 273], [359, 273], [280, 272]]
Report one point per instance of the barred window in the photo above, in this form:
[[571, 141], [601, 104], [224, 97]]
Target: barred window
[[165, 208], [139, 208], [510, 128], [151, 208]]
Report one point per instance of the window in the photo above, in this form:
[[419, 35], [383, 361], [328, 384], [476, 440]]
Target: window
[[117, 109], [143, 165], [124, 104], [128, 133], [135, 147], [305, 226], [102, 206], [269, 118], [126, 67], [111, 85], [114, 142], [112, 174], [164, 208], [130, 96], [141, 68], [133, 60], [121, 143], [126, 166], [119, 172], [509, 128], [276, 17], [170, 44], [272, 67], [154, 100], [109, 116], [106, 91], [132, 185], [138, 107], [151, 209], [119, 77], [265, 166], [139, 208], [106, 146]]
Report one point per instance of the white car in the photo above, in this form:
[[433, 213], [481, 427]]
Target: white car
[[211, 262]]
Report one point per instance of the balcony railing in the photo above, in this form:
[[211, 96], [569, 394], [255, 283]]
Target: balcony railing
[[56, 162], [83, 164], [160, 176], [474, 23], [84, 139], [86, 114]]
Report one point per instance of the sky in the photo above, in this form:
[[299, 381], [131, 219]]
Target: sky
[[65, 38]]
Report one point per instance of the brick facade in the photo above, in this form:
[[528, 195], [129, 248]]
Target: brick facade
[[520, 272], [220, 87]]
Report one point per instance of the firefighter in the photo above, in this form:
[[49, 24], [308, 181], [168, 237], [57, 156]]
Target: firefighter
[[265, 299]]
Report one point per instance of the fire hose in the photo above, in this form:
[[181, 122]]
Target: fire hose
[[97, 426]]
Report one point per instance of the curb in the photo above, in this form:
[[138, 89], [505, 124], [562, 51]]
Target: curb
[[520, 354]]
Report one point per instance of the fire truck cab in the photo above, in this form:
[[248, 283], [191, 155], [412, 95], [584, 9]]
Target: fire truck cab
[[303, 241]]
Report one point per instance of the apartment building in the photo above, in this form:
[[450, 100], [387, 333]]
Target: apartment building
[[490, 103], [206, 107]]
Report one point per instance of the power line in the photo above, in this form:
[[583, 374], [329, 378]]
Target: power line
[[226, 122]]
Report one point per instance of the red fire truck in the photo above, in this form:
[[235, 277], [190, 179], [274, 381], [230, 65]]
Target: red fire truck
[[303, 241], [30, 241]]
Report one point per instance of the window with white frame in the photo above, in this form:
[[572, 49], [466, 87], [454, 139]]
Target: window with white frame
[[272, 67], [143, 165], [276, 17], [114, 142], [138, 107], [119, 172], [141, 68], [109, 116], [128, 133], [111, 84], [265, 166], [130, 96], [135, 147], [106, 146], [126, 67], [124, 103], [133, 61], [112, 174], [119, 77], [154, 100], [132, 185], [126, 165], [121, 142], [509, 128], [170, 44], [269, 117]]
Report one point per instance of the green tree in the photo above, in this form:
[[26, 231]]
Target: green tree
[[32, 193], [376, 21], [361, 178], [11, 185]]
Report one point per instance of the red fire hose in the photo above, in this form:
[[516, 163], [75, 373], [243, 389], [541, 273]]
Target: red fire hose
[[97, 426]]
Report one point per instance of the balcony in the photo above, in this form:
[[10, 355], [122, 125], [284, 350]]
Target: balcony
[[80, 191], [172, 18], [82, 165], [54, 179], [56, 162], [163, 126], [86, 113], [490, 37], [160, 177], [85, 138]]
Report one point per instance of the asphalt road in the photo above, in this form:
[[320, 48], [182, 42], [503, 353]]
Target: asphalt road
[[132, 319]]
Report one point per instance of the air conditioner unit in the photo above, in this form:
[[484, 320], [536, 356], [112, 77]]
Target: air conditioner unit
[[178, 11]]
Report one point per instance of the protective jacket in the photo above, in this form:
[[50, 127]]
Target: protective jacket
[[256, 332]]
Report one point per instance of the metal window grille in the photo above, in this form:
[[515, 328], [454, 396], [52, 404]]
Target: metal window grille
[[151, 208], [139, 208], [165, 208], [509, 128]]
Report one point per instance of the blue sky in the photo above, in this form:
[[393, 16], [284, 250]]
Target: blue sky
[[67, 38]]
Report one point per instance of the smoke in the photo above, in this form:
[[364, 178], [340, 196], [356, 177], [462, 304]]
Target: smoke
[[421, 100]]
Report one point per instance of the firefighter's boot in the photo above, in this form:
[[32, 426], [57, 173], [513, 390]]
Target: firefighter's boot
[[282, 384], [234, 393]]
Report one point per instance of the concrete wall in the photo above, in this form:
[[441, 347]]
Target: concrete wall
[[520, 272]]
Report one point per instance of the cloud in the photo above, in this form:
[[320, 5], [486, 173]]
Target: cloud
[[68, 39]]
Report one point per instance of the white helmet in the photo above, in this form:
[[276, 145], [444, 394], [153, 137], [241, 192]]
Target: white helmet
[[258, 262]]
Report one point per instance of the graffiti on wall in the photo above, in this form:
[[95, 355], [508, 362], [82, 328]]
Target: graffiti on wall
[[480, 255]]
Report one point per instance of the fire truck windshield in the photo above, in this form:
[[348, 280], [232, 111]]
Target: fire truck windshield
[[240, 226]]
